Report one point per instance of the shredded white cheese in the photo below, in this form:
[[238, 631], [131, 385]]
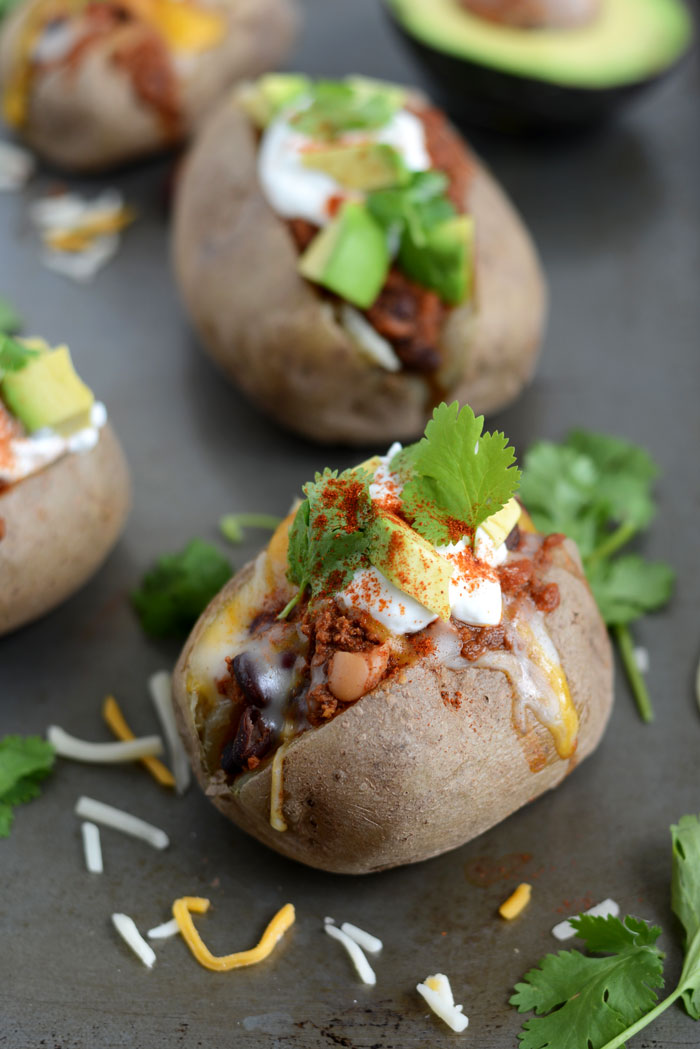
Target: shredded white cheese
[[108, 816], [126, 928], [67, 746], [79, 236], [565, 930], [164, 931], [16, 166], [364, 969], [161, 688], [92, 848], [641, 658], [437, 992], [365, 940], [368, 340]]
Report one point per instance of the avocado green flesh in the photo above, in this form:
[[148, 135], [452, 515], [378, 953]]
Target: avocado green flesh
[[630, 40], [47, 391]]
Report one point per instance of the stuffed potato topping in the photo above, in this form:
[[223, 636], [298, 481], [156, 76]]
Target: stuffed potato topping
[[406, 664], [348, 262], [95, 83], [64, 485]]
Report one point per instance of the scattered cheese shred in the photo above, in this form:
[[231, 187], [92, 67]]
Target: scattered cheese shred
[[108, 816], [164, 931], [277, 820], [161, 689], [67, 746], [437, 993], [92, 847], [364, 969], [188, 905], [111, 712], [565, 930], [516, 902], [81, 237], [364, 939], [126, 928]]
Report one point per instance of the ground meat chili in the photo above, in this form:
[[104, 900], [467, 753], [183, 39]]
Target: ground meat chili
[[409, 316]]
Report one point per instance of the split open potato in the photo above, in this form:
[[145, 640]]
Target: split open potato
[[304, 354], [94, 85]]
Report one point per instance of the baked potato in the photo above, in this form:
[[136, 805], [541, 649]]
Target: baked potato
[[64, 496], [353, 743], [329, 367], [96, 84]]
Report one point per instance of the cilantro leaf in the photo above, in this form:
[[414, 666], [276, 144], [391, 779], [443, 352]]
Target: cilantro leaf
[[459, 476], [10, 320], [337, 107], [177, 589], [625, 474], [558, 488], [685, 901], [628, 586], [233, 526], [585, 1001], [13, 355], [24, 762]]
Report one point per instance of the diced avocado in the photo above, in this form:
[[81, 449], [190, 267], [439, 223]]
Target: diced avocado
[[365, 85], [365, 166], [444, 261], [350, 256], [411, 563], [499, 525], [264, 98], [47, 391], [369, 465]]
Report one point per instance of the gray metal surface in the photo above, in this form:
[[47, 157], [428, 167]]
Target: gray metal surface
[[616, 216]]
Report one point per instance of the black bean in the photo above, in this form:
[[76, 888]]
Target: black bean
[[513, 539], [252, 740], [245, 672]]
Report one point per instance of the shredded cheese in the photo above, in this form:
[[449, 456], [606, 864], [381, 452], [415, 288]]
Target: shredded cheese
[[161, 689], [67, 746], [437, 993], [82, 236], [108, 816], [164, 931], [565, 930], [357, 955], [126, 928], [516, 902], [277, 820], [183, 909], [364, 939], [111, 712], [92, 848]]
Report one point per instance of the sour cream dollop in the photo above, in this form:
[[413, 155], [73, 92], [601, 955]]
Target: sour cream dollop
[[297, 192], [32, 452]]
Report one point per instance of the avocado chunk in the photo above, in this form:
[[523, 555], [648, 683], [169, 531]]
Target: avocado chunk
[[366, 166], [47, 392], [522, 77], [269, 94], [411, 563], [350, 256], [499, 525], [444, 262]]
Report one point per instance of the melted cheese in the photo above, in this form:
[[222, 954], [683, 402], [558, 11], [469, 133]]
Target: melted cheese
[[277, 820], [188, 905]]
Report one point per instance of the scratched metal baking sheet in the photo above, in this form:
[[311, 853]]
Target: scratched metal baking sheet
[[616, 216]]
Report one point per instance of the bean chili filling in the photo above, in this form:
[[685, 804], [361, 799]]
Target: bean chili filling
[[305, 671], [409, 316]]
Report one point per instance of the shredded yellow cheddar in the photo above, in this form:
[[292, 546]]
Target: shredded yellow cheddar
[[277, 820], [112, 714], [188, 905], [81, 237], [516, 902]]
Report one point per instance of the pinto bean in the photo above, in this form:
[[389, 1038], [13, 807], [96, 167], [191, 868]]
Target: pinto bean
[[353, 674]]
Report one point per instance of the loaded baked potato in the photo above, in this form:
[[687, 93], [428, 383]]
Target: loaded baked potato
[[348, 261], [95, 83], [64, 486], [405, 665]]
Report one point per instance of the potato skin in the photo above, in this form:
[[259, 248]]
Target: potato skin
[[404, 775], [90, 118], [58, 527], [269, 330]]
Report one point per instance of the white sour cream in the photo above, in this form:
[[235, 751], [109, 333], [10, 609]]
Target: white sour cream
[[370, 591], [31, 453], [474, 599], [297, 192]]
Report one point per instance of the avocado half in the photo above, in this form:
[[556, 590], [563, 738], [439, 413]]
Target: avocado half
[[525, 79]]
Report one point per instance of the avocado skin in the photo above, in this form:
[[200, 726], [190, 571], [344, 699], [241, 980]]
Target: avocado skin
[[489, 98]]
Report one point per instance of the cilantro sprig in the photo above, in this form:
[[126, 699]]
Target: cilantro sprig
[[233, 526], [456, 475], [14, 355], [24, 762], [178, 588], [338, 106], [10, 320], [597, 489], [601, 1000]]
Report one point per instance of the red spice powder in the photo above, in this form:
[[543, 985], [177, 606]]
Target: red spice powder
[[9, 428], [347, 496]]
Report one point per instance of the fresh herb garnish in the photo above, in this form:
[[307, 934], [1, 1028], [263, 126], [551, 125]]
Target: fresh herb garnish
[[233, 526], [177, 589], [338, 106], [24, 762], [328, 538], [456, 476], [10, 320], [597, 490], [14, 355], [601, 1002]]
